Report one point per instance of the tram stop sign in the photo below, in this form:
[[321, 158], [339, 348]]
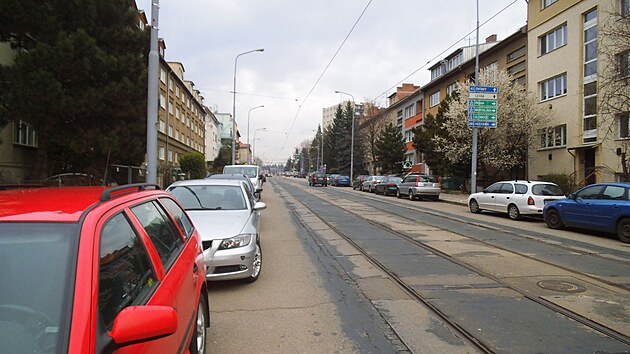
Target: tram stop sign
[[482, 106]]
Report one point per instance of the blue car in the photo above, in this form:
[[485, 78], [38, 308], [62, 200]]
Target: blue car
[[341, 181], [601, 207]]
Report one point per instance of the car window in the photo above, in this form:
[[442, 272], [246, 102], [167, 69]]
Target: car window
[[395, 180], [520, 188], [494, 188], [591, 192], [427, 178], [210, 197], [614, 193], [179, 215], [410, 179], [125, 274], [547, 190], [506, 188], [161, 231]]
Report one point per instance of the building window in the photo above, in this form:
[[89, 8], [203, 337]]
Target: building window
[[176, 134], [553, 137], [170, 107], [408, 136], [547, 3], [439, 71], [170, 85], [161, 152], [590, 43], [553, 40], [170, 155], [451, 88], [589, 122], [434, 99], [24, 134], [554, 87], [177, 112], [623, 122], [399, 118], [162, 101], [177, 91], [491, 67], [162, 126], [517, 68], [520, 52], [520, 81], [163, 75], [410, 111], [623, 63], [170, 131]]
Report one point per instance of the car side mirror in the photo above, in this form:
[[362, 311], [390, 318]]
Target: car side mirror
[[260, 206], [137, 324], [571, 196]]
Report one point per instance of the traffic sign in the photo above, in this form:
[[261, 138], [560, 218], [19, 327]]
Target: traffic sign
[[482, 106]]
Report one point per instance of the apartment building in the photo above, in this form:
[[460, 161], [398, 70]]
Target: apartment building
[[569, 61], [181, 118], [409, 109], [328, 113], [212, 138]]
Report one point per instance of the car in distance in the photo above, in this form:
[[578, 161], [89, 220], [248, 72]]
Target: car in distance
[[416, 185], [516, 198], [341, 181], [388, 185], [250, 171], [358, 182], [227, 217], [331, 178], [115, 269], [601, 207], [318, 178], [370, 182]]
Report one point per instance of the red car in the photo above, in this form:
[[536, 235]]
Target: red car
[[97, 269]]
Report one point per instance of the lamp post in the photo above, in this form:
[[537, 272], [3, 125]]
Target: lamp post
[[250, 111], [254, 150], [234, 105], [351, 136]]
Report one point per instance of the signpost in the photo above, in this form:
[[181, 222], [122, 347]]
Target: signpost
[[482, 106]]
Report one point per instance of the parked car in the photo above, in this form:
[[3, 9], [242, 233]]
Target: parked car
[[250, 171], [358, 182], [331, 178], [388, 185], [341, 181], [318, 178], [370, 182], [96, 269], [248, 182], [602, 207], [227, 217], [515, 198], [417, 185]]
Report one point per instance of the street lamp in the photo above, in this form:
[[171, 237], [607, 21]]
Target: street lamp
[[254, 150], [250, 111], [351, 136], [234, 105]]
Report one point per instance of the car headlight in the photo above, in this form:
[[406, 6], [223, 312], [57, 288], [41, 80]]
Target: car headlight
[[235, 242]]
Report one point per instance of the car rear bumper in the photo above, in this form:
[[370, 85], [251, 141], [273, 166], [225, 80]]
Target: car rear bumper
[[426, 191]]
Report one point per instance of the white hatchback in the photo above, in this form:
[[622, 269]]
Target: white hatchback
[[515, 198]]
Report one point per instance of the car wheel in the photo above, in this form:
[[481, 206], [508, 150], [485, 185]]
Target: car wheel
[[198, 340], [410, 195], [398, 193], [623, 230], [474, 207], [513, 212], [256, 265], [553, 219]]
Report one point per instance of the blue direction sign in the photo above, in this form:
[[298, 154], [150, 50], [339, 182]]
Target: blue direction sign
[[484, 89], [482, 106]]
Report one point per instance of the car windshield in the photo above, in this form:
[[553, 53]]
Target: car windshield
[[426, 178], [209, 197], [38, 265], [546, 189], [241, 170], [395, 180]]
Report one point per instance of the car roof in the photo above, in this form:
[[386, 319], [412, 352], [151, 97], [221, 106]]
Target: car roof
[[207, 182], [58, 204], [524, 181], [228, 176]]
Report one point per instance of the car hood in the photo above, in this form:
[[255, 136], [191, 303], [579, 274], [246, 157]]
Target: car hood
[[219, 224]]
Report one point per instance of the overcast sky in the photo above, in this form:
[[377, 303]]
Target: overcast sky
[[393, 42]]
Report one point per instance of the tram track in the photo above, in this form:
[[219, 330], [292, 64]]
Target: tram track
[[465, 333]]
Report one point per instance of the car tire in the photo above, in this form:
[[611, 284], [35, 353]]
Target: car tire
[[200, 333], [553, 220], [623, 230], [513, 212], [474, 206], [257, 265], [410, 195], [398, 193]]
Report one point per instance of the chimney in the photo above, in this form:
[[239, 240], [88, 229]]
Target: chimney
[[491, 38]]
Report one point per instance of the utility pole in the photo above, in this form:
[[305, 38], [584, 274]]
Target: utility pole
[[473, 168], [152, 97]]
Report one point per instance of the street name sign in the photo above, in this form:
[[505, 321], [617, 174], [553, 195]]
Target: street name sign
[[482, 106]]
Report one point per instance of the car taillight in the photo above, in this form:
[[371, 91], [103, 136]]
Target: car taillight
[[530, 201]]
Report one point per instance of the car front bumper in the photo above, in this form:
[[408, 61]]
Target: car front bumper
[[236, 263]]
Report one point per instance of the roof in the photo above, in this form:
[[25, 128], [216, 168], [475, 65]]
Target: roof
[[58, 204]]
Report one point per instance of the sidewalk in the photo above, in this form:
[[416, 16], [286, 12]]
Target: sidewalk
[[454, 198]]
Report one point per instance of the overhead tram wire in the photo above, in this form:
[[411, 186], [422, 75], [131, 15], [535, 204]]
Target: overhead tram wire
[[445, 50], [324, 72]]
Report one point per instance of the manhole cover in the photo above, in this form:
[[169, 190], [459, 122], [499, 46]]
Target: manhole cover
[[561, 286]]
